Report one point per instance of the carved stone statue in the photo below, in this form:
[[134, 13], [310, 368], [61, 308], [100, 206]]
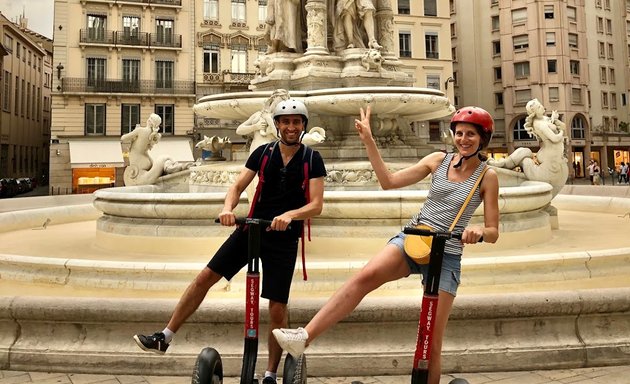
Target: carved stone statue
[[142, 170], [215, 145], [260, 124], [354, 24], [549, 164], [284, 26]]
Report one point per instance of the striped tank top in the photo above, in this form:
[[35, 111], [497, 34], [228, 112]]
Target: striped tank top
[[444, 201]]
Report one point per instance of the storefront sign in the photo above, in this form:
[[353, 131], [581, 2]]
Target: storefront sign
[[96, 165], [578, 142], [526, 143]]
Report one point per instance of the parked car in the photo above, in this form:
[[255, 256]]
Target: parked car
[[25, 184], [8, 187]]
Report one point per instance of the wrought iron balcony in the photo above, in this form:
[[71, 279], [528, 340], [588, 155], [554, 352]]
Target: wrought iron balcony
[[141, 39], [156, 2], [171, 87], [238, 77]]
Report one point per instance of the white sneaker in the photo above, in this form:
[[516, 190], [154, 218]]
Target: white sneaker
[[292, 340]]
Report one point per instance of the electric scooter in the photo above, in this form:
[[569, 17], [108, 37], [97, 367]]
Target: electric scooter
[[208, 367], [422, 356]]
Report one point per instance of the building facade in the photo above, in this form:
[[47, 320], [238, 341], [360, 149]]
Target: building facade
[[571, 55], [25, 101], [115, 64]]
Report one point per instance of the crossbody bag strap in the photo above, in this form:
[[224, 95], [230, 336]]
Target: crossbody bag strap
[[470, 195]]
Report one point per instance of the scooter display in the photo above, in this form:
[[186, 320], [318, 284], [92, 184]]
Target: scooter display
[[422, 356], [208, 367]]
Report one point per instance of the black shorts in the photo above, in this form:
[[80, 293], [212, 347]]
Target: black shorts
[[278, 255]]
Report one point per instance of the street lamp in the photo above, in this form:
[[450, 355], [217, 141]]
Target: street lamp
[[59, 69]]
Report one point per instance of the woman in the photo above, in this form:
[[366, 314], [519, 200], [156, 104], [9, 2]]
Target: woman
[[453, 176]]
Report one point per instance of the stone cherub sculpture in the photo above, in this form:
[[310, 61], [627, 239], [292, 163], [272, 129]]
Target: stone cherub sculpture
[[262, 129], [549, 164], [215, 145], [142, 170]]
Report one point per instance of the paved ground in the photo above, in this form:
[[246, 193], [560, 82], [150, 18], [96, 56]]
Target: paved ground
[[607, 375]]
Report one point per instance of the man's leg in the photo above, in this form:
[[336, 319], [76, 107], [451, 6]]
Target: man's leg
[[278, 318], [192, 298]]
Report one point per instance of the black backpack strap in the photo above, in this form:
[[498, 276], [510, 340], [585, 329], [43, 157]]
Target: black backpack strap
[[262, 165]]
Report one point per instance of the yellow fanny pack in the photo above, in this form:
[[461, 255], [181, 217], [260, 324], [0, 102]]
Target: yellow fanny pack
[[419, 247]]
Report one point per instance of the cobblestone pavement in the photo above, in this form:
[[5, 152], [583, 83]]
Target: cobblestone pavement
[[607, 375]]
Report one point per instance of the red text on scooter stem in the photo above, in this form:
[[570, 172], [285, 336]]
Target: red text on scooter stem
[[425, 334], [251, 309]]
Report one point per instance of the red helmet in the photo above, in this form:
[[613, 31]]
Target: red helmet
[[474, 115]]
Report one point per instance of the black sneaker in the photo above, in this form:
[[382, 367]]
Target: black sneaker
[[269, 380], [155, 343]]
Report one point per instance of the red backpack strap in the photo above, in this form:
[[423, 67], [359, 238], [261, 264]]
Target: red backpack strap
[[267, 152], [307, 195]]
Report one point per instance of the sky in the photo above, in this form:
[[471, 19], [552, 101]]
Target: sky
[[38, 12]]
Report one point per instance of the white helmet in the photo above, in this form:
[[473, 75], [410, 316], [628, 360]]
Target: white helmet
[[291, 107]]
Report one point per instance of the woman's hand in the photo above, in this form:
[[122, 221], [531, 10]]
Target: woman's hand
[[363, 126], [472, 235]]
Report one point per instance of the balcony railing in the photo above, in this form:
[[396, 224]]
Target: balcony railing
[[238, 77], [158, 2], [172, 87], [141, 39]]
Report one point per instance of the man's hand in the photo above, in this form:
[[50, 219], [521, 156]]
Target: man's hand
[[280, 223], [227, 218]]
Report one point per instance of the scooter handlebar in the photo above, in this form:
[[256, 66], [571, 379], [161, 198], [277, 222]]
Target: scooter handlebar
[[430, 232], [251, 220]]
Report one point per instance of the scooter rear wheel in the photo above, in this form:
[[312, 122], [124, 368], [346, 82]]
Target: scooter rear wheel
[[458, 381], [208, 367], [294, 371], [249, 362]]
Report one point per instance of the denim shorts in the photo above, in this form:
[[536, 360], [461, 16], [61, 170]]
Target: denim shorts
[[450, 277]]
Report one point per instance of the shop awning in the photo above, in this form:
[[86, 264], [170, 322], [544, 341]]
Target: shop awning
[[177, 148], [98, 153]]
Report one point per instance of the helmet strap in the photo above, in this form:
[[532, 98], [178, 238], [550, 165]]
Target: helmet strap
[[461, 159]]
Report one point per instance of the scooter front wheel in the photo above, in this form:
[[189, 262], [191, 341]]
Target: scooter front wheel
[[294, 371], [208, 367], [458, 381]]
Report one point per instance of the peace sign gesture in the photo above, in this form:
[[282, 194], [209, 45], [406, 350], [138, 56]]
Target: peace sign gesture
[[363, 126]]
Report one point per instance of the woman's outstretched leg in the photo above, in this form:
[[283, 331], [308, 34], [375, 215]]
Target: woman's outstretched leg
[[387, 265]]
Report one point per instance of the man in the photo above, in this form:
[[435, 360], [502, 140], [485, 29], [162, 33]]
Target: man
[[282, 200], [591, 165]]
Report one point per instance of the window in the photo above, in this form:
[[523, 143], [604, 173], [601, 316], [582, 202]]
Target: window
[[6, 92], [498, 99], [211, 59], [519, 16], [97, 25], [548, 11], [431, 45], [497, 74], [604, 99], [602, 75], [130, 117], [433, 81], [164, 31], [552, 66], [131, 74], [211, 9], [623, 99], [94, 119], [131, 27], [611, 52], [554, 94], [576, 95], [611, 75], [454, 53], [453, 31], [520, 42], [451, 6], [573, 40], [403, 7], [608, 26], [496, 47], [521, 70], [262, 11], [613, 100], [8, 42], [520, 133], [164, 71], [239, 59], [404, 42], [600, 25], [167, 113], [574, 67], [572, 14], [238, 11], [578, 130], [95, 72], [16, 110], [495, 23], [602, 49], [430, 7], [522, 96], [550, 38], [18, 49], [607, 4]]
